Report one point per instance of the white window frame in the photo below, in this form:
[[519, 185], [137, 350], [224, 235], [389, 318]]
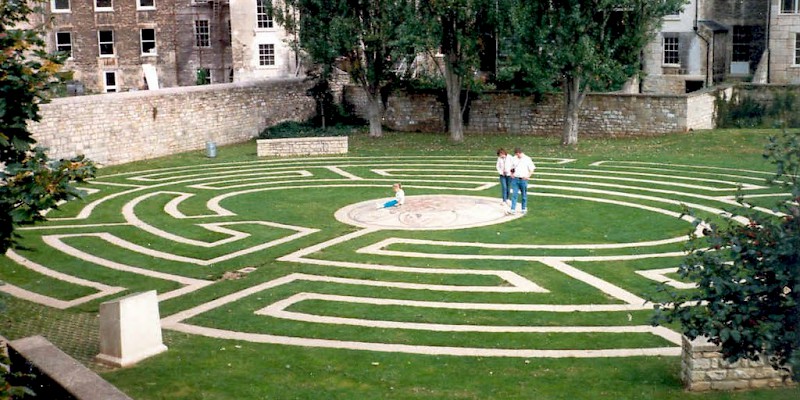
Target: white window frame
[[55, 10], [263, 16], [795, 9], [103, 9], [154, 51], [100, 45], [263, 55], [796, 49], [198, 34], [110, 88], [676, 49], [59, 44], [139, 5]]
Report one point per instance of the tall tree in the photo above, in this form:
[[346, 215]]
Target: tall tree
[[29, 181], [748, 277], [456, 28], [362, 36], [583, 45]]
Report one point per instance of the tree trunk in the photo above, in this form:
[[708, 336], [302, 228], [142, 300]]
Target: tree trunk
[[455, 123], [375, 114], [573, 96]]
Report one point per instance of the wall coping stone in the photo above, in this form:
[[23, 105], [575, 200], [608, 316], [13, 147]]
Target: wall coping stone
[[64, 370]]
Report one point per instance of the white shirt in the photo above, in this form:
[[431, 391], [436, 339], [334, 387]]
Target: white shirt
[[504, 165], [400, 196], [523, 166]]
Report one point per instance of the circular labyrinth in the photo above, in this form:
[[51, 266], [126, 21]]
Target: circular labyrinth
[[429, 212], [447, 273]]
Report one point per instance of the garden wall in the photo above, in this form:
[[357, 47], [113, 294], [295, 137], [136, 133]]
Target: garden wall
[[765, 94], [703, 368], [118, 128], [609, 114]]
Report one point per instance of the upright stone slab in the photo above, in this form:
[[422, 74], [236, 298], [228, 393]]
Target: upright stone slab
[[130, 329]]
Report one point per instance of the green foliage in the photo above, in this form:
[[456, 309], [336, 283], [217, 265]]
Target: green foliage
[[743, 111], [748, 276], [292, 129], [29, 182]]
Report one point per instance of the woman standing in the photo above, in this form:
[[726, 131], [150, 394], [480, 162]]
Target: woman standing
[[504, 170]]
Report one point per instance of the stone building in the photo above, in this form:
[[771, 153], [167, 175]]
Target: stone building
[[123, 45], [711, 41], [261, 48]]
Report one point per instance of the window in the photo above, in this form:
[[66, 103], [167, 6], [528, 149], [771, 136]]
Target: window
[[266, 54], [202, 33], [790, 6], [203, 76], [742, 41], [672, 53], [146, 4], [148, 40], [105, 40], [110, 80], [60, 6], [64, 43], [103, 5], [263, 14], [797, 49]]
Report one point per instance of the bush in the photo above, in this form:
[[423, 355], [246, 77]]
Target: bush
[[293, 129], [745, 112]]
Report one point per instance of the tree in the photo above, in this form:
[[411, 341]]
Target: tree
[[29, 182], [454, 28], [583, 45], [748, 277], [362, 36]]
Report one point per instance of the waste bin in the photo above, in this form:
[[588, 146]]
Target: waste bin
[[211, 149]]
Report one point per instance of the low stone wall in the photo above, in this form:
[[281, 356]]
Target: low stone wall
[[118, 128], [765, 93], [608, 114], [302, 146], [703, 368], [52, 374]]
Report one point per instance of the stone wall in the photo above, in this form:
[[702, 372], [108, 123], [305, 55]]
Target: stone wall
[[123, 127], [765, 94], [703, 368], [609, 114], [302, 146]]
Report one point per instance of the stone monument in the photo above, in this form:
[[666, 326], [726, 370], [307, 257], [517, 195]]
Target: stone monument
[[130, 329]]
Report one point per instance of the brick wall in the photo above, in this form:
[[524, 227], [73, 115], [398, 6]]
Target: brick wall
[[602, 114], [301, 146], [703, 368], [123, 127]]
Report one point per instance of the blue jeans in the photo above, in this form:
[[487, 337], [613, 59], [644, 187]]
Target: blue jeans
[[390, 203], [505, 187], [519, 186]]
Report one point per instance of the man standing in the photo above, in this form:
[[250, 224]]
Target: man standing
[[522, 168]]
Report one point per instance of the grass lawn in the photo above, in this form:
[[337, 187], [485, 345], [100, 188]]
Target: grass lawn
[[608, 208]]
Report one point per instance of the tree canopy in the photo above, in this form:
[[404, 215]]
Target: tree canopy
[[29, 181], [364, 37], [583, 45], [748, 276]]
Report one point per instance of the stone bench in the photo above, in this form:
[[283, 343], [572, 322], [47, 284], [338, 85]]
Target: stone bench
[[306, 146]]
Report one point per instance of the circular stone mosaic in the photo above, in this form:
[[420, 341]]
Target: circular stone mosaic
[[427, 212]]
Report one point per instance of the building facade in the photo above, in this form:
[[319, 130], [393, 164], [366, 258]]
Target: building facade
[[714, 41], [123, 45]]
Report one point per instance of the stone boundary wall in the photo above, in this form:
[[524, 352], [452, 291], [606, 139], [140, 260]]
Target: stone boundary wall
[[607, 114], [764, 94], [118, 128], [302, 146], [56, 375], [703, 368]]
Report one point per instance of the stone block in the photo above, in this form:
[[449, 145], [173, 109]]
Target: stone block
[[130, 329], [729, 385], [70, 379]]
